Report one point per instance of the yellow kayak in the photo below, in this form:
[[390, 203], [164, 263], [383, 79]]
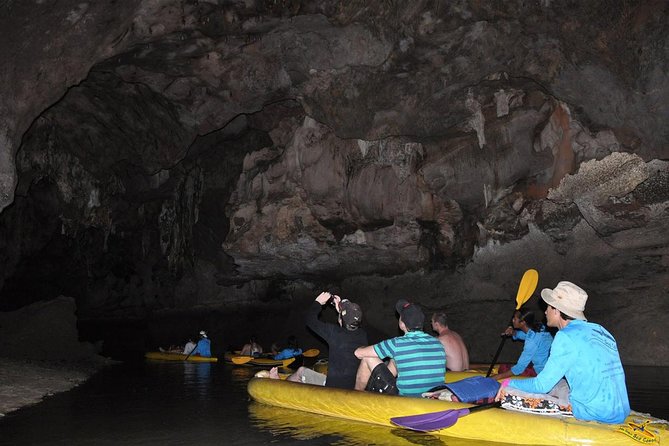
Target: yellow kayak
[[492, 425], [258, 362], [167, 356]]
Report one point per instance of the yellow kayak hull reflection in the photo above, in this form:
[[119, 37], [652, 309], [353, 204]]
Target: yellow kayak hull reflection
[[493, 425], [308, 426]]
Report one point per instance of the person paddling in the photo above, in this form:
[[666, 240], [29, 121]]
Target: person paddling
[[583, 353], [203, 347], [189, 347], [536, 349]]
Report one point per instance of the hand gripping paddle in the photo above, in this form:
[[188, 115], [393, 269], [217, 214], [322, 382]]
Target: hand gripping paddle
[[527, 286]]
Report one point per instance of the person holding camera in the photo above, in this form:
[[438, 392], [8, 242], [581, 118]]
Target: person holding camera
[[342, 338]]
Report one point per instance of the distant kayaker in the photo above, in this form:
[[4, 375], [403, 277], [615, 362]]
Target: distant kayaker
[[252, 348], [536, 349], [582, 352], [171, 349], [190, 345], [186, 349], [290, 351], [457, 357], [417, 361], [342, 339], [203, 346]]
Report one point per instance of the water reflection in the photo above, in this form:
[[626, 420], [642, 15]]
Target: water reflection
[[205, 404], [197, 377], [242, 374], [307, 426]]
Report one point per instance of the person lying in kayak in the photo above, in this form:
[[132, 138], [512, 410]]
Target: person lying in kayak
[[417, 361], [457, 357], [582, 352], [342, 339], [203, 346], [186, 349], [290, 351], [537, 344]]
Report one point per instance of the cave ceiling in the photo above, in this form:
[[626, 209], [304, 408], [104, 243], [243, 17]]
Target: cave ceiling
[[158, 154]]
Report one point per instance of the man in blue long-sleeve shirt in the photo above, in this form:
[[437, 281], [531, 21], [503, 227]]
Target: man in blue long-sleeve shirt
[[583, 353], [203, 346]]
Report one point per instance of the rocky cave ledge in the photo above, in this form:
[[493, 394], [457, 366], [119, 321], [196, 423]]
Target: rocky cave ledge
[[164, 157]]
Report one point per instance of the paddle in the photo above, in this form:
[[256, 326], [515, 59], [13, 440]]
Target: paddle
[[311, 353], [239, 360], [426, 422], [191, 352], [527, 286]]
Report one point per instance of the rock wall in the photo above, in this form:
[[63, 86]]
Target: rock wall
[[45, 331], [195, 155]]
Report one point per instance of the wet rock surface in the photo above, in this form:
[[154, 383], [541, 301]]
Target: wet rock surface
[[182, 154]]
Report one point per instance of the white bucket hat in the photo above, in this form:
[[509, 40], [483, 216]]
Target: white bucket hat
[[568, 298]]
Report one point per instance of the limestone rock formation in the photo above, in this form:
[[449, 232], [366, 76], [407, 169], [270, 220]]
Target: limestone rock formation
[[189, 154]]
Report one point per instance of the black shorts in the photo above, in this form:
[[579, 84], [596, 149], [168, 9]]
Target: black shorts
[[382, 381]]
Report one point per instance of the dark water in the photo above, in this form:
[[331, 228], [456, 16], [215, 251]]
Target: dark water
[[163, 403]]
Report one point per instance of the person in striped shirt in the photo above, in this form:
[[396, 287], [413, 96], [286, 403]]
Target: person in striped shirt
[[416, 360]]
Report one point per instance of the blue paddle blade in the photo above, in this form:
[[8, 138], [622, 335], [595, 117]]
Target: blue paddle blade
[[427, 422]]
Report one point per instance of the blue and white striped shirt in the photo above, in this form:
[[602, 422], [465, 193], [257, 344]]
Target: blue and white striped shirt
[[420, 360]]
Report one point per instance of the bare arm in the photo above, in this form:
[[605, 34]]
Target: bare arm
[[503, 375], [323, 297], [366, 352]]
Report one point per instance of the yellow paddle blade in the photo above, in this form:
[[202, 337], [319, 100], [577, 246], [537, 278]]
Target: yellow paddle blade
[[241, 359], [287, 362], [527, 286], [311, 353]]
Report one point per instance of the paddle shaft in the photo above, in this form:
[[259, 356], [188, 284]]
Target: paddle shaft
[[499, 350], [191, 352], [484, 406], [525, 289], [239, 360]]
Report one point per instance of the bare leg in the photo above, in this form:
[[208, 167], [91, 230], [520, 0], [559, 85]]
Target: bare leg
[[274, 373], [392, 367], [365, 371]]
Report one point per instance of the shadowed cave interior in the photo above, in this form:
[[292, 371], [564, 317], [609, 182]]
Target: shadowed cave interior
[[175, 166]]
